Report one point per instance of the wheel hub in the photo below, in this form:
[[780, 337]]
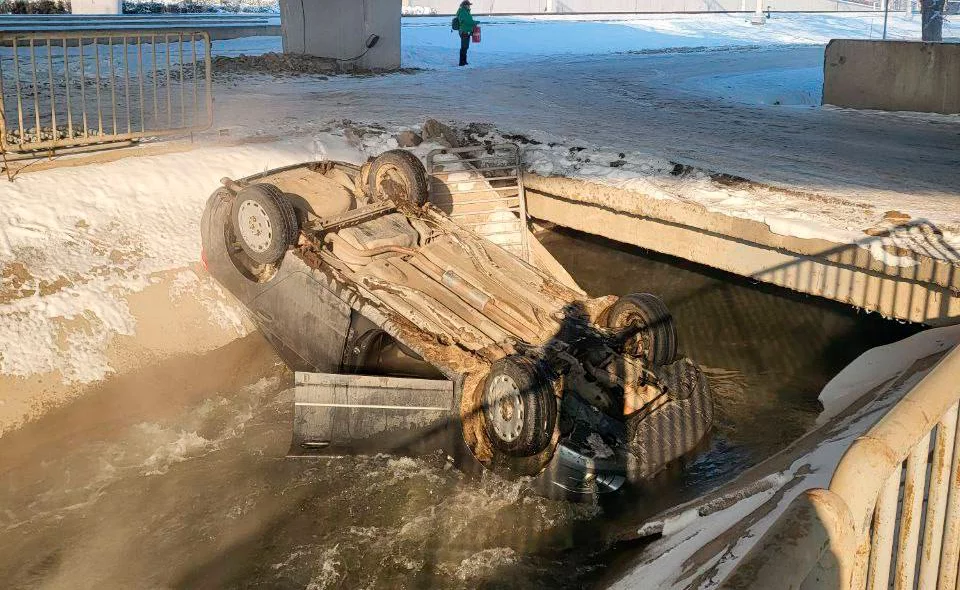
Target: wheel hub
[[391, 183], [505, 408], [255, 227], [638, 343]]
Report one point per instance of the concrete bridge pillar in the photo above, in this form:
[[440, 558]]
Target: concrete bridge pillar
[[343, 29]]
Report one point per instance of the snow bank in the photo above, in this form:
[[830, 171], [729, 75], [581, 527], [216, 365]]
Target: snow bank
[[75, 242], [881, 364]]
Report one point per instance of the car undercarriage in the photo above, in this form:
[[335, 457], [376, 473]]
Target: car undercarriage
[[410, 331]]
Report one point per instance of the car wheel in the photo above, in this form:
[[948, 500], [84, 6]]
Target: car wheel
[[398, 175], [657, 337], [519, 406], [681, 379], [674, 428], [264, 222]]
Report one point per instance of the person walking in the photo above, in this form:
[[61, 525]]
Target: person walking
[[466, 29]]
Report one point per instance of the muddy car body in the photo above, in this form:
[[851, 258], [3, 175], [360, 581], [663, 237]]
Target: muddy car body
[[410, 332]]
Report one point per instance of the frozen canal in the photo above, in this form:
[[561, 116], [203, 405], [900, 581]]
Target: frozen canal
[[174, 477]]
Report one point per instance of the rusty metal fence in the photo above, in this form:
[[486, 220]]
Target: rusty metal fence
[[891, 515], [481, 188], [69, 89]]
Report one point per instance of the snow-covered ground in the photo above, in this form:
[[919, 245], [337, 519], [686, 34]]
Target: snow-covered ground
[[429, 42], [77, 243]]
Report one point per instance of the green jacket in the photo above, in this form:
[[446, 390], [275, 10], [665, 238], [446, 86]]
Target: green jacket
[[466, 20]]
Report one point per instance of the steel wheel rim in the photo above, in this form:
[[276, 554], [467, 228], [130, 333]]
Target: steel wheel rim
[[505, 408], [255, 227]]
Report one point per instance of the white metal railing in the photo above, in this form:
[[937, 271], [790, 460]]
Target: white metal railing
[[891, 515], [62, 89]]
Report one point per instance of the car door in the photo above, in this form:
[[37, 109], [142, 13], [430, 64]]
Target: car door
[[307, 320], [337, 413]]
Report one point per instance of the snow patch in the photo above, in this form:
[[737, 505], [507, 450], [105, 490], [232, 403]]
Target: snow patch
[[87, 237], [881, 364]]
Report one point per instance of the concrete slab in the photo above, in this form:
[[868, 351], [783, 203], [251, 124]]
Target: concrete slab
[[892, 75], [922, 287]]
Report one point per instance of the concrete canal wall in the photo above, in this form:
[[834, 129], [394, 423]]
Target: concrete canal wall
[[909, 286], [892, 75]]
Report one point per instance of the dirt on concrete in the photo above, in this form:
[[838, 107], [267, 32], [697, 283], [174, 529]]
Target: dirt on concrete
[[292, 64], [277, 64]]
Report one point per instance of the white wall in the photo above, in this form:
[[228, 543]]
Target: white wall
[[563, 6], [95, 6], [340, 28]]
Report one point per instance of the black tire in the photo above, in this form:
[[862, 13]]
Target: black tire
[[657, 339], [681, 379], [674, 429], [398, 175], [519, 406], [270, 225]]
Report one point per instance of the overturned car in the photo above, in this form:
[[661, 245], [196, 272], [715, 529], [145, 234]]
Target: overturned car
[[409, 330]]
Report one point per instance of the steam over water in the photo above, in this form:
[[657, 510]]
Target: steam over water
[[175, 477]]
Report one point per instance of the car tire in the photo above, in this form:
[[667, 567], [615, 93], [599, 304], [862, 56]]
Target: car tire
[[657, 339], [264, 222], [681, 379], [398, 175], [519, 406], [659, 437]]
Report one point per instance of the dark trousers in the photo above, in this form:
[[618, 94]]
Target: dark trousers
[[464, 45]]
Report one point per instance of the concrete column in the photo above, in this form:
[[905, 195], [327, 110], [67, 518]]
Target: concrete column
[[95, 7], [758, 17], [340, 29]]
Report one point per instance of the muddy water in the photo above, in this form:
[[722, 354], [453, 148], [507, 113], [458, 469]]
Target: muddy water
[[174, 477]]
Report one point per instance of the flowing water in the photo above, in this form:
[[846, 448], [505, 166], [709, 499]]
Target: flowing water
[[175, 477]]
